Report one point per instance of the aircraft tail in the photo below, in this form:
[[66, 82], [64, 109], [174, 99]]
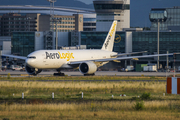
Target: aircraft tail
[[109, 42]]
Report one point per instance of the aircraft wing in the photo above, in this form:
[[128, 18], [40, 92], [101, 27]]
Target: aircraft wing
[[14, 56], [119, 58], [128, 54], [131, 57]]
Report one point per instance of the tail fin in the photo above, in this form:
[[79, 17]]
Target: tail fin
[[109, 42]]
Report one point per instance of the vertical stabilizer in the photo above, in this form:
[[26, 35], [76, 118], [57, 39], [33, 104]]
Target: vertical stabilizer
[[109, 42]]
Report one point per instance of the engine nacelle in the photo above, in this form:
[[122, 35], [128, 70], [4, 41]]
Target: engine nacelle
[[87, 67], [32, 71]]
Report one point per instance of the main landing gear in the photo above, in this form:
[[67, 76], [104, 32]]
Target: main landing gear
[[59, 73], [89, 74]]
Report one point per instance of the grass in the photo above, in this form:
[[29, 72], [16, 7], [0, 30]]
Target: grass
[[76, 78], [73, 90], [97, 102], [92, 110]]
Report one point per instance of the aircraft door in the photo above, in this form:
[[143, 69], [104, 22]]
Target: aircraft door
[[44, 59]]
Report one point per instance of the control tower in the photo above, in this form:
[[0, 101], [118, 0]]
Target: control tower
[[109, 10]]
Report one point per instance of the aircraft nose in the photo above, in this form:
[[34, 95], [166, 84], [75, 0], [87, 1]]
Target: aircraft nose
[[30, 62]]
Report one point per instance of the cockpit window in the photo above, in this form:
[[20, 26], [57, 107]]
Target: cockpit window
[[32, 57]]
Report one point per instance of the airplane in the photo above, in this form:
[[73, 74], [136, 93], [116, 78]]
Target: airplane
[[87, 60]]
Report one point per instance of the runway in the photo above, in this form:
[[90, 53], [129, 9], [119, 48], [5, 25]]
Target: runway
[[98, 73]]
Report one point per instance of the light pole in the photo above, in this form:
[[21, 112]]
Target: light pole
[[167, 61], [56, 20], [29, 22], [51, 5], [56, 36], [157, 16], [158, 44], [174, 57]]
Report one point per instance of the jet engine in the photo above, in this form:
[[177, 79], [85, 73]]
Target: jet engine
[[88, 68], [32, 71]]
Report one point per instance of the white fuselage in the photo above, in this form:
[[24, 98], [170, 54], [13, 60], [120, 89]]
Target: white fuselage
[[55, 59]]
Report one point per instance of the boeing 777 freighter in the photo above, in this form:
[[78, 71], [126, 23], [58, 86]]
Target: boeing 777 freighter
[[87, 60]]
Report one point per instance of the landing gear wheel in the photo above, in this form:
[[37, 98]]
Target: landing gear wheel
[[89, 74], [59, 74]]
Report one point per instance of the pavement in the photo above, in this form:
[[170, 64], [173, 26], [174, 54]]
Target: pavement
[[98, 73]]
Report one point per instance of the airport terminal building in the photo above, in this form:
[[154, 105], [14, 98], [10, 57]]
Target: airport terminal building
[[172, 18], [136, 41], [36, 17], [23, 43], [109, 10], [91, 33]]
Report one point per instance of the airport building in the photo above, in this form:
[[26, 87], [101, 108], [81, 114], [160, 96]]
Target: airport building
[[68, 15], [5, 48], [95, 40], [172, 18], [109, 10], [23, 43], [15, 22], [147, 41], [136, 41], [92, 31], [11, 22], [5, 44], [63, 23], [89, 24]]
